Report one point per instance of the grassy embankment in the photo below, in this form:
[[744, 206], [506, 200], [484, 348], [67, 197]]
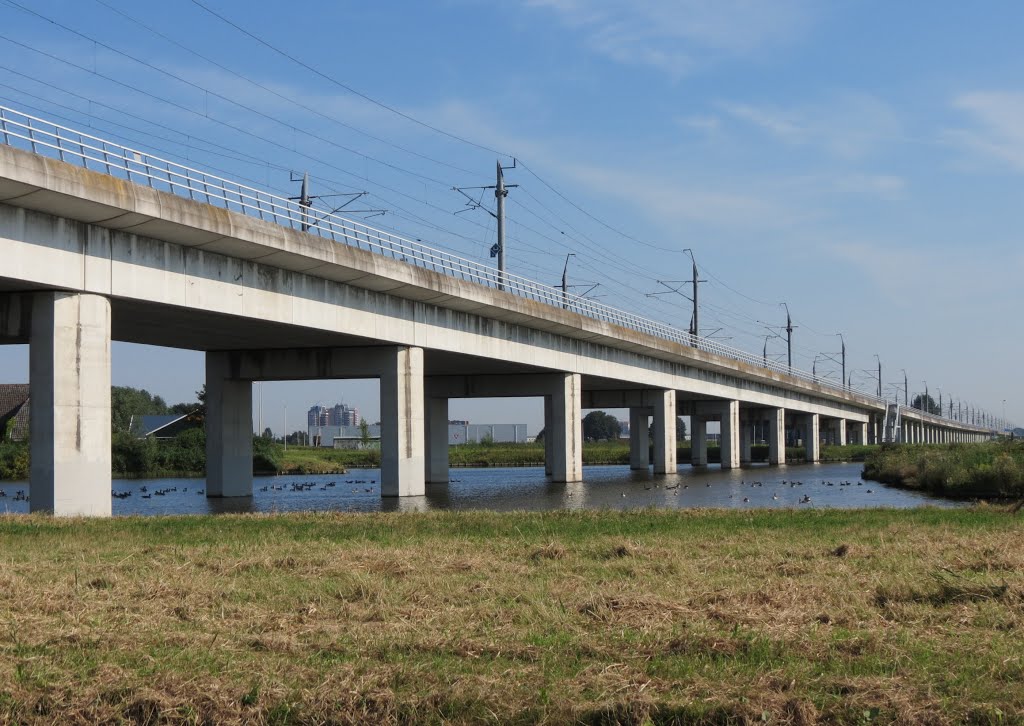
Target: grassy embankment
[[640, 617], [305, 460], [988, 470], [186, 456]]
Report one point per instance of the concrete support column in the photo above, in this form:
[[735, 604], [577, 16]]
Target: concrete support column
[[402, 459], [746, 440], [698, 441], [664, 432], [731, 435], [839, 432], [862, 433], [566, 432], [436, 436], [549, 426], [639, 438], [812, 440], [69, 389], [777, 436], [228, 430]]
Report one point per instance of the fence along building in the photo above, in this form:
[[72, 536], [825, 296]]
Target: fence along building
[[467, 433]]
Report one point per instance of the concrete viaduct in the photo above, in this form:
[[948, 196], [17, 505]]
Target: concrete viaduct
[[87, 257]]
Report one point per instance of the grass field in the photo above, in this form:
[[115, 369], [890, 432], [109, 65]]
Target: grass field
[[644, 617]]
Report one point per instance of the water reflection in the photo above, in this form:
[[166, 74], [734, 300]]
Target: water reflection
[[604, 487]]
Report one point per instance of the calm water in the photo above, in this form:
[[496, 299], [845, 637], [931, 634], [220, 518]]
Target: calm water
[[605, 487]]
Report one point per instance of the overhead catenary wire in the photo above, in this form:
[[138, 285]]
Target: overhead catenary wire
[[221, 96], [278, 94], [347, 87]]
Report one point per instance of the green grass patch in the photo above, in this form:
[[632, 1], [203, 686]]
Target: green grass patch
[[637, 617]]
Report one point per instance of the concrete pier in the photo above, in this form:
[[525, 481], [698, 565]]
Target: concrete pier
[[565, 428], [777, 436], [698, 440], [812, 438], [839, 432], [69, 386], [746, 440], [665, 432], [639, 437], [402, 459], [730, 437], [228, 429], [436, 435]]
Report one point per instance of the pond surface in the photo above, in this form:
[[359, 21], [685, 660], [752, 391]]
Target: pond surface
[[604, 487]]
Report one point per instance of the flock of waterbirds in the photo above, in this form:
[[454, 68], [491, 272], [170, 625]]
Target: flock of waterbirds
[[368, 486], [785, 483]]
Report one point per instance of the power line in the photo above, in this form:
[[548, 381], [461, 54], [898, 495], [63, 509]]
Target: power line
[[233, 127], [222, 97], [345, 86], [426, 125], [278, 94]]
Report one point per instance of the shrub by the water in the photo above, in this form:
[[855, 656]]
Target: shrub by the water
[[14, 462], [991, 469]]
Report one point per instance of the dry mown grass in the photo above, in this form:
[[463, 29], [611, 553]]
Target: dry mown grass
[[640, 617]]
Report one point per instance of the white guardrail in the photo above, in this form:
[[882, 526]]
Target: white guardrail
[[44, 137]]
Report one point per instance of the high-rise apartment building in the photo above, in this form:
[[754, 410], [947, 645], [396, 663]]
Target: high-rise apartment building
[[343, 415], [318, 416]]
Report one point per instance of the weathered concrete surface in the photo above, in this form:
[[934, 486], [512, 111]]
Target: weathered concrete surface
[[639, 437], [566, 429], [436, 422], [812, 437], [15, 318], [777, 436], [402, 456], [69, 381], [228, 429], [665, 432]]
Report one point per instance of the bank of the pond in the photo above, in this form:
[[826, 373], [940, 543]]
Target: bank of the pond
[[635, 617], [967, 471], [185, 456], [595, 453]]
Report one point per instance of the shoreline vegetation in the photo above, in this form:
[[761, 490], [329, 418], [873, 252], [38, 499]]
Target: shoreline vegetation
[[989, 470], [641, 617], [184, 456]]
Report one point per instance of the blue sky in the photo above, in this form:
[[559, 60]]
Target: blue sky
[[861, 161]]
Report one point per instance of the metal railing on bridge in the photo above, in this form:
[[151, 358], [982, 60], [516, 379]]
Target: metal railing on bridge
[[47, 138]]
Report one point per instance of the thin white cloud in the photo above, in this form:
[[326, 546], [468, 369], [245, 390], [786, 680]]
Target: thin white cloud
[[848, 125], [678, 36], [709, 124], [916, 276], [998, 126]]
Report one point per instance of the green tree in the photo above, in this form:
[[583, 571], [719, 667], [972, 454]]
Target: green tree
[[195, 410], [925, 403], [128, 403], [364, 433], [680, 430], [266, 456], [600, 426]]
